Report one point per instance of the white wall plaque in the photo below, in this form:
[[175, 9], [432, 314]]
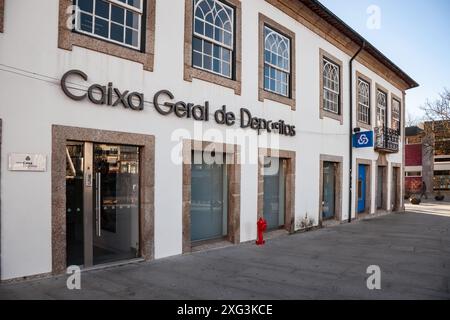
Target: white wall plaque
[[27, 162]]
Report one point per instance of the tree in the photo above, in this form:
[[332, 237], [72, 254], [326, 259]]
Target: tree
[[436, 138], [411, 120], [439, 109]]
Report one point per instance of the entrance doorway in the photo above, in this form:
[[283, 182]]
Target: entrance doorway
[[362, 185], [395, 196], [381, 188], [329, 190], [274, 192], [102, 203]]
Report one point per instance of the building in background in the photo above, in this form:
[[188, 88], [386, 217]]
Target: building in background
[[427, 157]]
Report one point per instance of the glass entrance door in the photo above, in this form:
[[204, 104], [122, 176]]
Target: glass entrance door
[[102, 183], [116, 194], [329, 190]]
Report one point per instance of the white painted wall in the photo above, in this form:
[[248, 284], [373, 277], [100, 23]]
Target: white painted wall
[[31, 104]]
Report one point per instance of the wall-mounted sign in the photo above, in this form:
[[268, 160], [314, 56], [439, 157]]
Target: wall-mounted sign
[[363, 139], [27, 162], [164, 104]]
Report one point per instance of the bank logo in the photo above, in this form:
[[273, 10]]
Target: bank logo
[[363, 139]]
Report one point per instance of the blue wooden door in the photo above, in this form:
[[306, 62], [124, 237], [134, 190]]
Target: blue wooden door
[[361, 188]]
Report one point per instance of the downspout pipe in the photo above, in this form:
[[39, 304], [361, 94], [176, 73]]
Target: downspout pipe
[[350, 145]]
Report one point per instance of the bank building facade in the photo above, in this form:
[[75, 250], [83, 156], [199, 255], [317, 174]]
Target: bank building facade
[[132, 130]]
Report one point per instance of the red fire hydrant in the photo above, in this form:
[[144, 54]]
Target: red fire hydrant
[[261, 226]]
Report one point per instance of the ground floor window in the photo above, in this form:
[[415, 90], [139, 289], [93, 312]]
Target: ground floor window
[[274, 192], [211, 193], [208, 198]]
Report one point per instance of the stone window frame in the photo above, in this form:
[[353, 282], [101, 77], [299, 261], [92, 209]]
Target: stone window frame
[[190, 72], [262, 93], [322, 112], [360, 124], [395, 97], [368, 194], [60, 136], [339, 182], [67, 38], [398, 187], [379, 87], [234, 188], [2, 13], [289, 201]]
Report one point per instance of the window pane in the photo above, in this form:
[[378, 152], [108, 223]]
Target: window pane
[[197, 44], [227, 39], [86, 5], [101, 27], [218, 36], [86, 22], [207, 62], [132, 20], [266, 71], [131, 37], [216, 65], [197, 59], [226, 70], [226, 55], [117, 14], [208, 48], [116, 32], [217, 52], [199, 26], [102, 9], [209, 30], [266, 83]]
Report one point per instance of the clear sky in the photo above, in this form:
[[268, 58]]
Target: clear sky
[[414, 34]]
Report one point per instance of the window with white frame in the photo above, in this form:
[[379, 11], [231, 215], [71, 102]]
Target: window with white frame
[[363, 101], [413, 173], [277, 66], [213, 37], [331, 86], [118, 21], [381, 108], [396, 115]]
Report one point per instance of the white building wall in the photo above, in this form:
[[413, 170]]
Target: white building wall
[[32, 101]]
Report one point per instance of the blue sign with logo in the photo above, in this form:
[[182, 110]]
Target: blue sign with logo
[[363, 139]]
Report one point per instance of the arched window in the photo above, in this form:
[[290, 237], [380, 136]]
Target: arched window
[[331, 83], [213, 38], [363, 101], [276, 62], [381, 108]]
